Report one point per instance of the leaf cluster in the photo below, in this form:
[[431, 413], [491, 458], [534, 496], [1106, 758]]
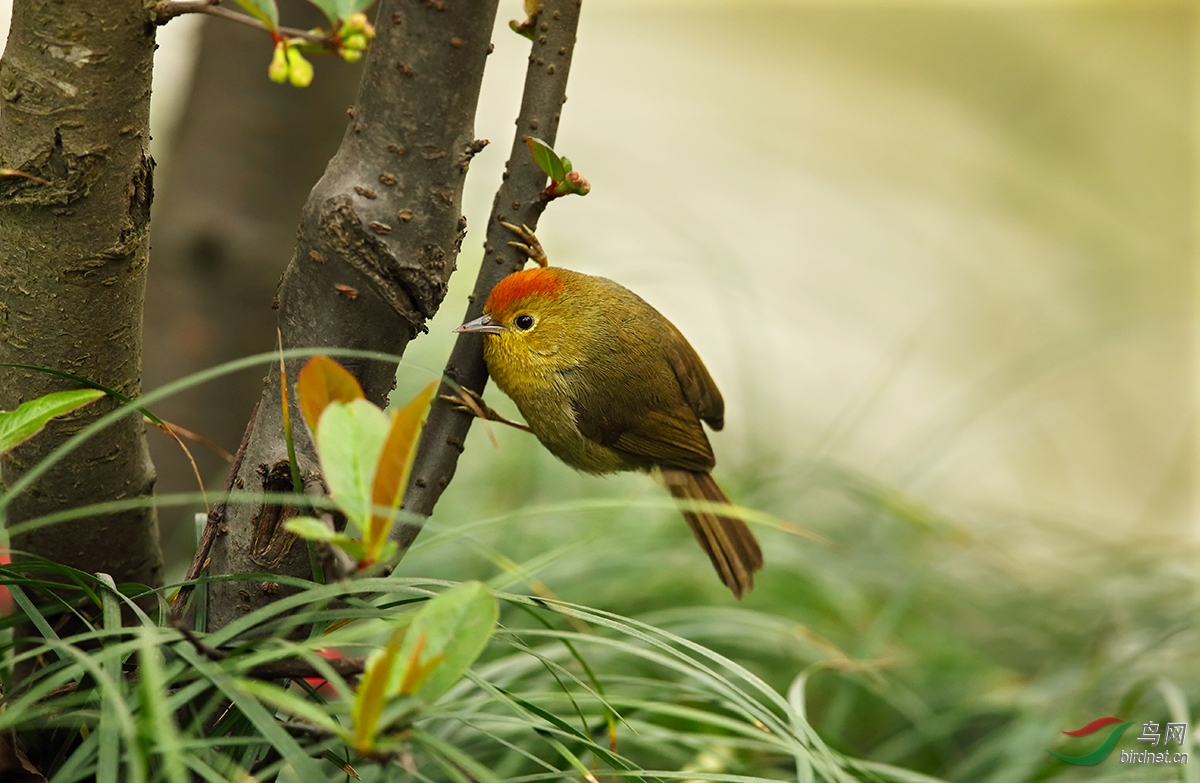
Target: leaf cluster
[[349, 34], [365, 455]]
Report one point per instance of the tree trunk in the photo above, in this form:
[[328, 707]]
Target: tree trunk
[[75, 82], [378, 239], [246, 154]]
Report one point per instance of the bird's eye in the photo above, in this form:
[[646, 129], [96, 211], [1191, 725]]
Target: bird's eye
[[524, 322]]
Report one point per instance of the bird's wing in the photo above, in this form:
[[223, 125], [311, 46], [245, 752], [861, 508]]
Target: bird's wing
[[657, 438], [698, 387], [666, 440], [640, 423]]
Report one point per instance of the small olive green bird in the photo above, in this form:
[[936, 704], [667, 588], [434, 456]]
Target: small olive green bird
[[608, 384]]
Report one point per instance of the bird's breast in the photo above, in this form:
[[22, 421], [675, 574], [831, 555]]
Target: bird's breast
[[545, 401]]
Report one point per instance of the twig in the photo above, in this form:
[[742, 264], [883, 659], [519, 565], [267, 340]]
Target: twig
[[519, 200], [167, 10], [212, 526], [285, 32], [15, 173], [282, 669], [299, 669], [196, 437], [198, 644]]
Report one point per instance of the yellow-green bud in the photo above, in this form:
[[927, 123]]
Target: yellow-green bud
[[278, 70], [300, 70]]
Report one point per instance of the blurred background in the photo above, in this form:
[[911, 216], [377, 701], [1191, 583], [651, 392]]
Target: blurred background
[[937, 255]]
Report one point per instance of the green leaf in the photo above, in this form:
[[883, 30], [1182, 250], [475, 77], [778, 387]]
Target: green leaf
[[351, 546], [108, 759], [292, 703], [20, 425], [455, 625], [340, 9], [310, 528], [546, 158], [330, 8], [350, 438], [262, 10]]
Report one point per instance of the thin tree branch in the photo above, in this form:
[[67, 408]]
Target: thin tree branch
[[299, 669], [167, 10], [519, 200], [250, 21], [282, 669]]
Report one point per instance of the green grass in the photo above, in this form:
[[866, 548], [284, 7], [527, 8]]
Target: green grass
[[902, 645]]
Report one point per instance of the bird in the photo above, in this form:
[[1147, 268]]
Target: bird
[[608, 384]]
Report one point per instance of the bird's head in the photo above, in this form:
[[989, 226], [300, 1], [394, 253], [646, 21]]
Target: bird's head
[[526, 314]]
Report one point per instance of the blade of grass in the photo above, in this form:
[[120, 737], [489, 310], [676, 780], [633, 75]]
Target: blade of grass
[[158, 725], [477, 771], [263, 722], [33, 615], [109, 751]]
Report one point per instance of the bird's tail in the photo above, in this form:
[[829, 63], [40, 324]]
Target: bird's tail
[[728, 541]]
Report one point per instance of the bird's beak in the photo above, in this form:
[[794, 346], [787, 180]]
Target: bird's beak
[[481, 324]]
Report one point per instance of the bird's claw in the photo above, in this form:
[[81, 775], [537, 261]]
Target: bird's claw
[[456, 403], [469, 401], [531, 248], [466, 401]]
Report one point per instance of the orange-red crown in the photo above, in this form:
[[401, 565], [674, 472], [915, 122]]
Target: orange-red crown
[[541, 281]]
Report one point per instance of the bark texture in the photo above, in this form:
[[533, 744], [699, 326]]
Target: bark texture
[[244, 159], [519, 200], [75, 90], [378, 239]]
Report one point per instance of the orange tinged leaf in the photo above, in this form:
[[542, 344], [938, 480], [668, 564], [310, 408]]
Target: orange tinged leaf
[[395, 463], [412, 673], [321, 382], [371, 695], [415, 673]]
